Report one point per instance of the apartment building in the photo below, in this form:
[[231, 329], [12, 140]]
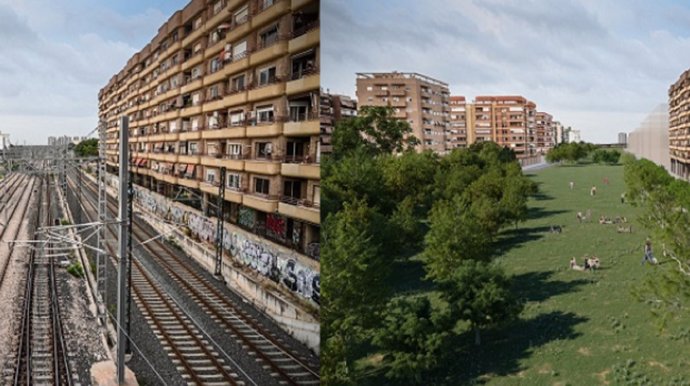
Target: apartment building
[[420, 100], [679, 125], [229, 85], [461, 118], [509, 121], [544, 132], [334, 107]]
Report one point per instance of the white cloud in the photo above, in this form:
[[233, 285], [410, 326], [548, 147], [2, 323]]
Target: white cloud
[[597, 66], [57, 55]]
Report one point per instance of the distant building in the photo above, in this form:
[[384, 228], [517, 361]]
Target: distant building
[[544, 132], [574, 136], [622, 138], [650, 139], [458, 134], [334, 107], [420, 100], [509, 121]]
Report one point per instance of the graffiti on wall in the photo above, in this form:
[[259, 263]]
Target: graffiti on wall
[[247, 217], [252, 252], [276, 226]]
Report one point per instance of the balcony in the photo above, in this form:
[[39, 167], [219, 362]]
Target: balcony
[[301, 170], [236, 98], [264, 203], [192, 61], [306, 213], [193, 36], [188, 158], [215, 77], [188, 182], [271, 51], [237, 65], [237, 31], [190, 135], [228, 132], [213, 105], [273, 129], [233, 195], [267, 167], [191, 86], [271, 13], [302, 128], [190, 110], [211, 188], [304, 84], [305, 41], [269, 91]]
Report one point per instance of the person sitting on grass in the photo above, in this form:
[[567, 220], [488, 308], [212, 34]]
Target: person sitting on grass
[[574, 265]]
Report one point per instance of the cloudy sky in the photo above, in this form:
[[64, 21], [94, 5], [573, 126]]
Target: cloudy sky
[[55, 55], [598, 66]]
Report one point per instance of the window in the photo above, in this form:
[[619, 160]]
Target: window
[[292, 189], [197, 22], [213, 121], [269, 36], [242, 15], [237, 118], [237, 83], [265, 4], [303, 64], [196, 72], [173, 126], [267, 75], [215, 65], [233, 180], [195, 124], [264, 113], [213, 92], [264, 149], [217, 6], [261, 185], [239, 50], [299, 111], [234, 150], [210, 175], [193, 148]]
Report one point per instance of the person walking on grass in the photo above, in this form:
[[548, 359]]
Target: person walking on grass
[[572, 185], [593, 191], [648, 255]]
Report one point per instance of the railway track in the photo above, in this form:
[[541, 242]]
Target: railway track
[[273, 353], [197, 360], [12, 223], [41, 356]]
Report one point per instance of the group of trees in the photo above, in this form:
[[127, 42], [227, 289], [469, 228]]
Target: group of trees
[[87, 148], [665, 202], [604, 156], [577, 151], [383, 202]]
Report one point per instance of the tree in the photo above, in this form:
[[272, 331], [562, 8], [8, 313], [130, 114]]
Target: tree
[[606, 156], [413, 339], [479, 293], [354, 283], [666, 203], [374, 130], [87, 148]]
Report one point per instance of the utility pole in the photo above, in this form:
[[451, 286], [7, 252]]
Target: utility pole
[[123, 236], [101, 257], [79, 188], [219, 227], [130, 199]]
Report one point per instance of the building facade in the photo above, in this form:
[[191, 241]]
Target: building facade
[[574, 135], [509, 121], [461, 119], [650, 139], [679, 125], [622, 138], [229, 85], [544, 132], [420, 100]]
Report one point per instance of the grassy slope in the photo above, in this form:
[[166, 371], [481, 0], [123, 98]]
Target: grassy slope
[[578, 328]]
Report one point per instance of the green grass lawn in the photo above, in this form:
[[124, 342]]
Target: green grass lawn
[[577, 328]]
